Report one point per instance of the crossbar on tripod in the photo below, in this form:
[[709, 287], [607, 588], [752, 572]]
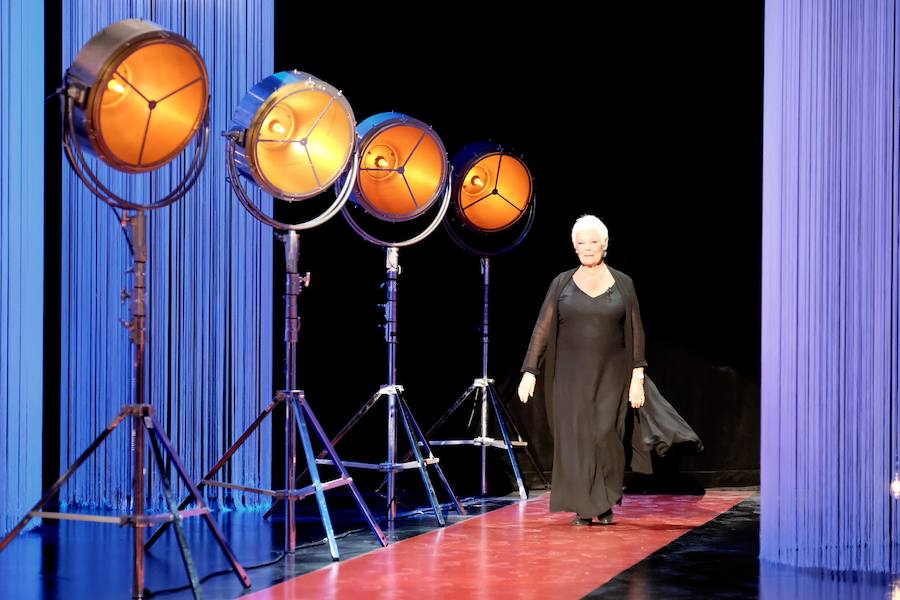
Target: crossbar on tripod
[[296, 494], [384, 467], [121, 520], [479, 441]]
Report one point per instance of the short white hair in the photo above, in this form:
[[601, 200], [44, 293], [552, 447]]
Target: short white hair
[[590, 223]]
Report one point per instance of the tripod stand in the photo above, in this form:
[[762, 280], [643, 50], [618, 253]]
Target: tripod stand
[[397, 406], [143, 421], [482, 389], [298, 412]]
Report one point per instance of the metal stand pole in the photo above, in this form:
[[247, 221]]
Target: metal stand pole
[[392, 265], [483, 389], [293, 286], [393, 391], [485, 344], [137, 224], [143, 422], [297, 414]]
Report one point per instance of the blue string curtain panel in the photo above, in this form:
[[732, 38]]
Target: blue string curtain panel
[[209, 275], [831, 276], [21, 256]]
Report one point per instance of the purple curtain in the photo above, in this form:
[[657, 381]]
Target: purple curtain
[[831, 277], [21, 257]]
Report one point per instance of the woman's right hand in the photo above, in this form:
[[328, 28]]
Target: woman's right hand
[[526, 387]]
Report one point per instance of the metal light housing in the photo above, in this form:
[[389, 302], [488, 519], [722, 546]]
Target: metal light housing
[[492, 189], [297, 135], [140, 94], [402, 167]]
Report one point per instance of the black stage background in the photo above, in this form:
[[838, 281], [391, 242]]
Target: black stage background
[[650, 118]]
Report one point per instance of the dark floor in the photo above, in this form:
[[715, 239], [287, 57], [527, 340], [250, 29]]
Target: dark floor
[[696, 564], [720, 560]]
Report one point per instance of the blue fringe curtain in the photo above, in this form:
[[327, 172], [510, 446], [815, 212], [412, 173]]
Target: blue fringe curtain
[[21, 256], [831, 285], [209, 272]]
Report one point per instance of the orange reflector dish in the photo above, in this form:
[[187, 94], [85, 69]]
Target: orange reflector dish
[[142, 94], [493, 188], [403, 167], [298, 135]]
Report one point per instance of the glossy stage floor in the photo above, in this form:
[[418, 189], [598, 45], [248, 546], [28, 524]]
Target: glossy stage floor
[[661, 546]]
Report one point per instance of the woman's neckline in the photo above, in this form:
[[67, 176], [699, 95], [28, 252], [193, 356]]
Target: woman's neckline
[[603, 293]]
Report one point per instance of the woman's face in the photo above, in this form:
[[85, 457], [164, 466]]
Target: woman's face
[[589, 247]]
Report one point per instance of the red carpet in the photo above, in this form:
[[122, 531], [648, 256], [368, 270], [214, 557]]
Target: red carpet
[[520, 551]]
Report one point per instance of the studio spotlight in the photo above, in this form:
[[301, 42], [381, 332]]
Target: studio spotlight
[[402, 174], [296, 135], [292, 135], [492, 188], [140, 95], [403, 167], [493, 210], [136, 97], [493, 200]]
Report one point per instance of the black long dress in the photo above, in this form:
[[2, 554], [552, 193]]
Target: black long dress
[[588, 471], [583, 351]]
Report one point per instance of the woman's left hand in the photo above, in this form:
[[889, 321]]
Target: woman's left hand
[[636, 392]]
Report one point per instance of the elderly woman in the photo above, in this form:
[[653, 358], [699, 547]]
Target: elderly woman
[[589, 344]]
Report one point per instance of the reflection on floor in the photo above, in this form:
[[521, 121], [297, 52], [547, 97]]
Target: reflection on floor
[[660, 547], [66, 559]]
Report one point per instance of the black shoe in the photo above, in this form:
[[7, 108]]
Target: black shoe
[[579, 520], [606, 518]]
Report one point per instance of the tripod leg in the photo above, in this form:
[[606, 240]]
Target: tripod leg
[[451, 410], [53, 489], [176, 518], [484, 433], [528, 451], [329, 449], [290, 479], [225, 458], [427, 446], [413, 442], [214, 528], [316, 481], [489, 393], [138, 469], [334, 442]]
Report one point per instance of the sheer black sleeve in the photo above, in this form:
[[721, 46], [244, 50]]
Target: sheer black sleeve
[[637, 330], [534, 358]]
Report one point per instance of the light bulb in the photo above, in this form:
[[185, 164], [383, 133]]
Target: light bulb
[[895, 486], [383, 161], [276, 126], [476, 181], [115, 86]]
